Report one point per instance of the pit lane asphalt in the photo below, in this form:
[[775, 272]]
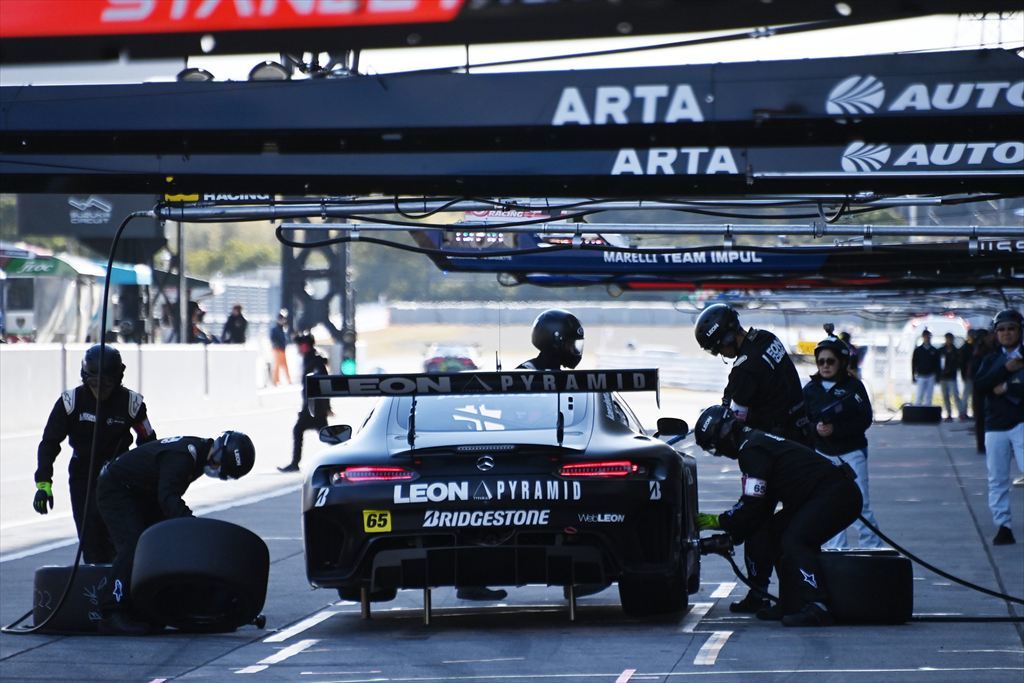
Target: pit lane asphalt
[[928, 491]]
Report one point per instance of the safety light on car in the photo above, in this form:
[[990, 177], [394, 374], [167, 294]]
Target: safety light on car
[[612, 468], [353, 475]]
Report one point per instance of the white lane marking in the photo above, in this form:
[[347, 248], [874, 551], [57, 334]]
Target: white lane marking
[[38, 519], [625, 676], [708, 653], [693, 617], [724, 589], [278, 657], [38, 549], [299, 627], [199, 512], [667, 674], [496, 659]]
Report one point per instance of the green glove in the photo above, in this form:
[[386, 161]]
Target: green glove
[[706, 521], [44, 495]]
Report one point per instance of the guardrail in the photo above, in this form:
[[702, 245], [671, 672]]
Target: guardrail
[[179, 379]]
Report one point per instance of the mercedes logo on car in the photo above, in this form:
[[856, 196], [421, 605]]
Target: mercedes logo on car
[[485, 463]]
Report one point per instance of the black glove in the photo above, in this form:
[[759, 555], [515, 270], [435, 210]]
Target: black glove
[[44, 495]]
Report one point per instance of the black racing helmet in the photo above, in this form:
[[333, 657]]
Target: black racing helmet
[[561, 333], [235, 454], [305, 338], [836, 346], [716, 327], [1008, 316], [113, 368], [712, 425]]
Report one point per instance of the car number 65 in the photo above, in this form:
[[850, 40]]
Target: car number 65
[[376, 521]]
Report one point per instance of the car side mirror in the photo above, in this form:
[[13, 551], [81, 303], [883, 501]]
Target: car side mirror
[[335, 434], [672, 426]]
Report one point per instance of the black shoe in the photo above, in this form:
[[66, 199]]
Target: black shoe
[[121, 624], [810, 615], [750, 604], [583, 589], [773, 613], [480, 593], [1004, 537], [290, 467]]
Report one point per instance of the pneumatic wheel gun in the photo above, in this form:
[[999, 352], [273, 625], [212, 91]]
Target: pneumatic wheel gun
[[719, 544]]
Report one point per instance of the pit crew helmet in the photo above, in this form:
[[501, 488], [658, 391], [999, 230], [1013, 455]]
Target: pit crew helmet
[[714, 425], [560, 333], [305, 338], [113, 368], [837, 346], [716, 327], [234, 453], [1008, 316]]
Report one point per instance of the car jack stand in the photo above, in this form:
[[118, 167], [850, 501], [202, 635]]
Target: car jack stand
[[364, 602], [572, 601], [426, 607]]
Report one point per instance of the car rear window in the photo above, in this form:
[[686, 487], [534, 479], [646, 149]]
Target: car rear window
[[491, 413]]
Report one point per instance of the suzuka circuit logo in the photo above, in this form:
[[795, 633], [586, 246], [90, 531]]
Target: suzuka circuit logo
[[856, 95]]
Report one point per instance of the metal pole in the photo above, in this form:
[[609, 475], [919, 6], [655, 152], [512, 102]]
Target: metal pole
[[183, 321]]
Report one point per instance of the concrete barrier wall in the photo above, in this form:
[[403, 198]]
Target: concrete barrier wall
[[176, 379]]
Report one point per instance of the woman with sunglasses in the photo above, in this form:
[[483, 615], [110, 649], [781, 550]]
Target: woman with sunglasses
[[840, 410]]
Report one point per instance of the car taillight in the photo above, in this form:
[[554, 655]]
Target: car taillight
[[612, 468], [352, 475]]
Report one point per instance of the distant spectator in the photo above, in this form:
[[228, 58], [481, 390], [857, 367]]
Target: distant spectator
[[279, 342], [196, 333], [856, 355], [924, 366], [1001, 377], [235, 327], [950, 357]]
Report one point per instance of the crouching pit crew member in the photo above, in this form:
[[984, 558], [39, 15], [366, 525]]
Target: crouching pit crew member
[[144, 486], [763, 392], [818, 498], [73, 418]]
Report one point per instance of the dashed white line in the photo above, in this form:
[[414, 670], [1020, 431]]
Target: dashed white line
[[708, 653], [476, 661], [693, 617], [625, 676], [299, 627], [724, 589], [278, 657]]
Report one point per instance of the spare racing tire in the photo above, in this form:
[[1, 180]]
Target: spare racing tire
[[80, 612], [202, 575]]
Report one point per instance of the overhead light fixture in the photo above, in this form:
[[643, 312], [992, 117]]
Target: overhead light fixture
[[270, 71], [195, 75]]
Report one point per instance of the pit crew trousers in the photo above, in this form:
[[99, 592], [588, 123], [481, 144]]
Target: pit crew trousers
[[799, 533], [1000, 448], [127, 512], [97, 547]]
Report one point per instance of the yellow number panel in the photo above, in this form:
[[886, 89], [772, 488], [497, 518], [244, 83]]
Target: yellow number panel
[[376, 521]]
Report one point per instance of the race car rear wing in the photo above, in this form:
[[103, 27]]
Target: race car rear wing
[[477, 383], [511, 382]]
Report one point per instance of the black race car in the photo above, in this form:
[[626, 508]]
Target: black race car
[[468, 480]]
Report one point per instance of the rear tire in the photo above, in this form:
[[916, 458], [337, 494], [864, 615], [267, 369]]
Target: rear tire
[[643, 596], [200, 575]]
